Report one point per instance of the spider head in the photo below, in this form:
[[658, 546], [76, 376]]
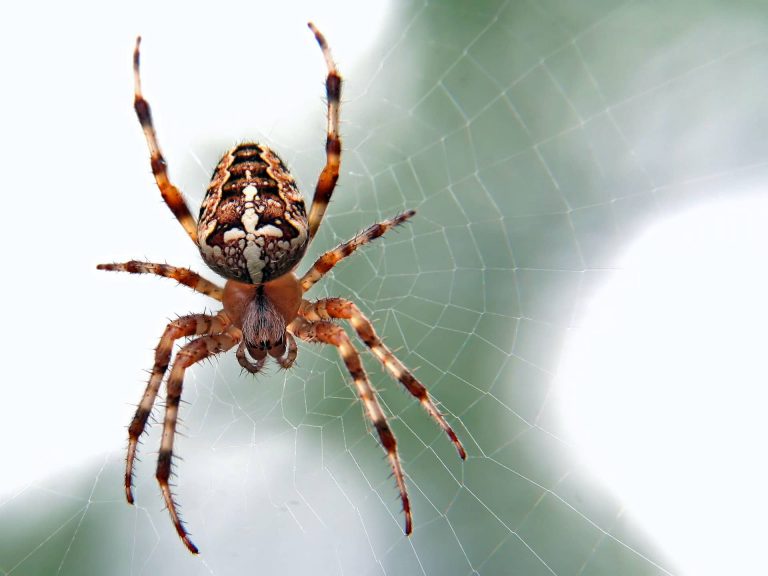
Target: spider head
[[263, 312]]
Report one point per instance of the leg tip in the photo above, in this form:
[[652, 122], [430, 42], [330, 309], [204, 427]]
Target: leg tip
[[190, 546], [318, 36]]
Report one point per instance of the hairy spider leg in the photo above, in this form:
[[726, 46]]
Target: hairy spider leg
[[293, 351], [170, 193], [192, 325], [329, 333], [183, 276], [339, 308], [190, 354], [244, 361], [326, 182], [329, 259]]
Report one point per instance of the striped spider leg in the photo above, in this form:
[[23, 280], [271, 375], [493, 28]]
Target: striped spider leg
[[171, 195], [315, 325], [326, 182], [215, 334]]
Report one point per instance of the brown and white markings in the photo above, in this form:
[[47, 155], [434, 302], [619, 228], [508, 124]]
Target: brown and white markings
[[253, 229]]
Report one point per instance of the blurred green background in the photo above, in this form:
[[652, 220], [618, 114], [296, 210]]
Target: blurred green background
[[535, 139]]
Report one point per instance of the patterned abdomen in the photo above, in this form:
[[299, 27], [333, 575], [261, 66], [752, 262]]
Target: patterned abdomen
[[253, 222]]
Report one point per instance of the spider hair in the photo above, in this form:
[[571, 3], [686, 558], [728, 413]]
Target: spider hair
[[262, 325]]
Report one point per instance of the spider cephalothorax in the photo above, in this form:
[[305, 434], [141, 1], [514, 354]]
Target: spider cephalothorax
[[262, 313], [253, 229]]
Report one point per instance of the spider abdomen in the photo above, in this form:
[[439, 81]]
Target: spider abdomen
[[253, 222]]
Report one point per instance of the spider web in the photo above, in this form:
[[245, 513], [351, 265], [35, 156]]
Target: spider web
[[536, 140]]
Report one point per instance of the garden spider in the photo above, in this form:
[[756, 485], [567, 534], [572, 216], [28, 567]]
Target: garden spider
[[253, 229]]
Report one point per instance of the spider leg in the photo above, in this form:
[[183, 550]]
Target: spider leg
[[183, 276], [181, 327], [330, 174], [192, 353], [244, 361], [293, 350], [328, 260], [333, 308], [329, 333], [170, 193]]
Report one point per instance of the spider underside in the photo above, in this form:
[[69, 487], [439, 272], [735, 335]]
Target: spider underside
[[253, 229]]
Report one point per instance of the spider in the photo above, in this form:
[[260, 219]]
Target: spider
[[253, 229]]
